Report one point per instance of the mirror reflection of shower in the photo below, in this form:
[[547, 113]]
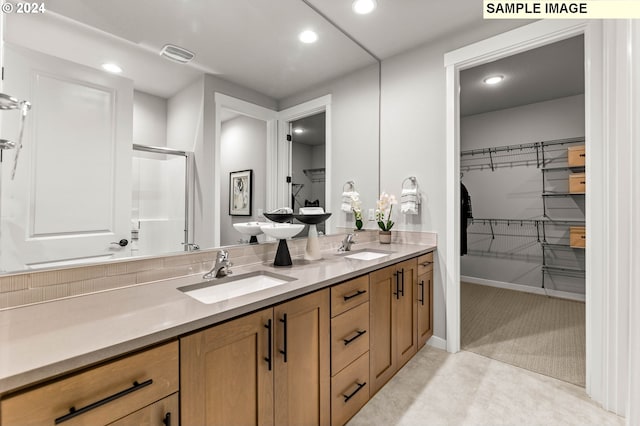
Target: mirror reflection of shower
[[9, 103], [160, 200], [308, 164]]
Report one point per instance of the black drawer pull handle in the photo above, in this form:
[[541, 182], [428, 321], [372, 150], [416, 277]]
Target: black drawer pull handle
[[352, 394], [421, 300], [73, 412], [425, 264], [356, 294], [167, 419], [358, 334], [582, 155], [583, 182], [284, 350], [402, 289], [269, 357]]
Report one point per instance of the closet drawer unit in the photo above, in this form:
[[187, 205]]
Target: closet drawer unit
[[425, 263], [577, 236], [100, 395], [577, 183], [349, 391], [576, 156], [349, 294], [349, 337]]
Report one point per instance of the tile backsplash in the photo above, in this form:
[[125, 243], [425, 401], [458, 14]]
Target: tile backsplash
[[41, 286]]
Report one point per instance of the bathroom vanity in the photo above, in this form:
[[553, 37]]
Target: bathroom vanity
[[311, 350]]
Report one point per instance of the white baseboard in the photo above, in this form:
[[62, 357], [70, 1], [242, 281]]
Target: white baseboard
[[437, 342], [524, 288]]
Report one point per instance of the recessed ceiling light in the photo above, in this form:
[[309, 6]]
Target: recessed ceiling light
[[110, 67], [362, 7], [298, 130], [308, 36], [494, 79]]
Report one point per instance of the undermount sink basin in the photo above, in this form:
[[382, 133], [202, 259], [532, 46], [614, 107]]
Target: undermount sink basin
[[366, 254], [222, 289]]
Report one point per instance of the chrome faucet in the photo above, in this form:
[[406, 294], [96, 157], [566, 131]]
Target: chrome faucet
[[347, 243], [221, 268], [191, 246]]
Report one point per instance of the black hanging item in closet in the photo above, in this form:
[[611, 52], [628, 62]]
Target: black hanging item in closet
[[465, 213]]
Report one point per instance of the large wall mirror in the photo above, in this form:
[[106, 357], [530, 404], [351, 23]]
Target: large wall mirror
[[83, 194]]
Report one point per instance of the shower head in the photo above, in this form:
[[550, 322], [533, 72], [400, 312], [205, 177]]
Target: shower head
[[6, 144], [8, 102]]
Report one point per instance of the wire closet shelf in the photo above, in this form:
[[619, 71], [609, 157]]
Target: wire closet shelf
[[543, 154]]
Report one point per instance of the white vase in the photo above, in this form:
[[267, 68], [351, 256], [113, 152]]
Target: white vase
[[385, 237]]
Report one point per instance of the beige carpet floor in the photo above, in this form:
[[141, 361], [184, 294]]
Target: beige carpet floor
[[541, 334]]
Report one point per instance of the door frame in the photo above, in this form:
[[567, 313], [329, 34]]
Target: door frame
[[512, 42], [305, 109]]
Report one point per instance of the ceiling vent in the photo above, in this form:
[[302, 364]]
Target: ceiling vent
[[176, 53]]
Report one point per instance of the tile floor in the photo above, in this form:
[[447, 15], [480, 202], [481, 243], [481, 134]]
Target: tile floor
[[438, 388]]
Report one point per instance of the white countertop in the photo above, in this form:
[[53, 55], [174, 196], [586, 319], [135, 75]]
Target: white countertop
[[46, 340]]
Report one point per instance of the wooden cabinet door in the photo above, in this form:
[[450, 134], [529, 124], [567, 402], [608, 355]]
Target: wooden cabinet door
[[226, 373], [302, 377], [406, 318], [424, 291], [382, 306]]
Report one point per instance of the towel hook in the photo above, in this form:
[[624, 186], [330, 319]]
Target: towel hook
[[349, 185], [413, 182]]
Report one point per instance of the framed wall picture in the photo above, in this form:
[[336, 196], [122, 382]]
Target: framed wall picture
[[240, 187]]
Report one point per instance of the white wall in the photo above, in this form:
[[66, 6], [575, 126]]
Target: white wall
[[149, 119], [413, 138], [184, 117], [515, 256], [244, 147], [354, 132]]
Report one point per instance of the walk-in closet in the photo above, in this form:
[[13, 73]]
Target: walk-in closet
[[523, 188]]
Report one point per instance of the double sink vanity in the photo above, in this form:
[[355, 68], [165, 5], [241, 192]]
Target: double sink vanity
[[305, 344]]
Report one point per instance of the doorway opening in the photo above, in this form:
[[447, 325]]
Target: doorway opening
[[304, 163], [517, 137], [308, 164]]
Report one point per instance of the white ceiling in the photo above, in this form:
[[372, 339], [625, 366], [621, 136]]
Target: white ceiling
[[548, 72], [250, 42], [399, 25]]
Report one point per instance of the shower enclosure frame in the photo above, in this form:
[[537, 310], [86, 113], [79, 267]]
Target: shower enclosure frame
[[187, 180]]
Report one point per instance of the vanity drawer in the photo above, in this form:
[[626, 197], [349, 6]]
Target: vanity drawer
[[349, 337], [349, 390], [425, 263], [577, 236], [349, 294], [576, 156], [577, 183], [132, 383], [164, 412]]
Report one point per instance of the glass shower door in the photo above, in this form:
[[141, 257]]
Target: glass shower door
[[160, 200]]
